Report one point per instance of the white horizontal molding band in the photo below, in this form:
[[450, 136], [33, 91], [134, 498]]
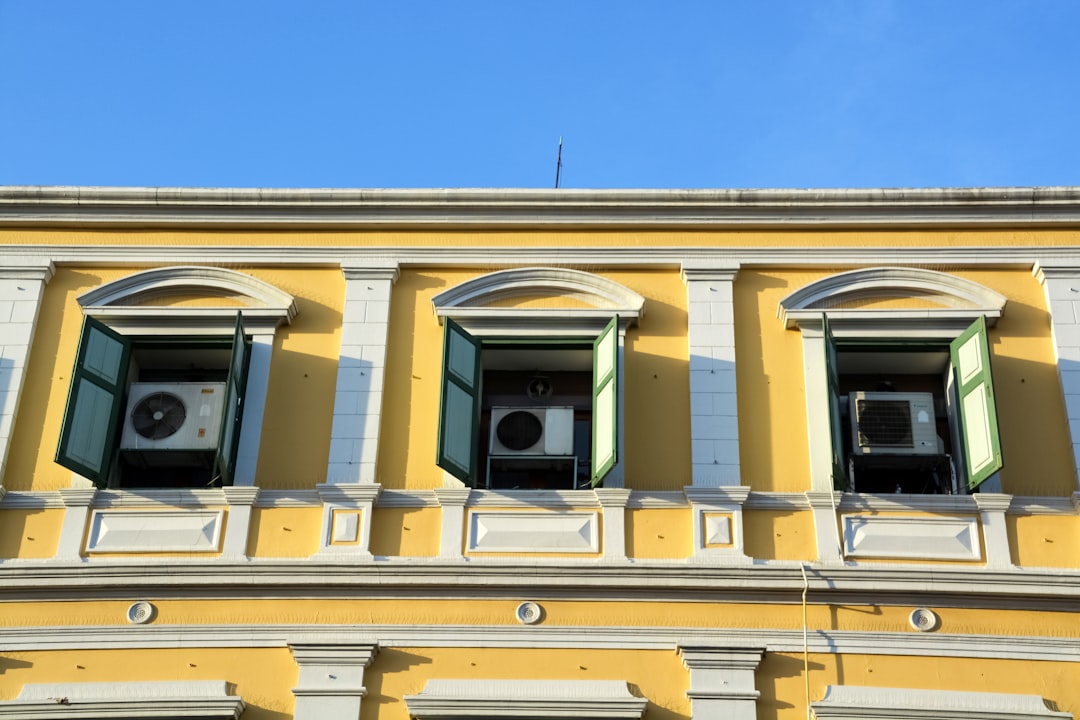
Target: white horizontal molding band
[[562, 577], [673, 257], [23, 206], [871, 642], [564, 499]]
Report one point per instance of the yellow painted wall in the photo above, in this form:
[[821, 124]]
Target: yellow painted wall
[[476, 611], [659, 675], [657, 407], [29, 534], [779, 535], [772, 410], [299, 404], [780, 679], [659, 534], [263, 677], [1044, 540], [406, 532], [285, 532]]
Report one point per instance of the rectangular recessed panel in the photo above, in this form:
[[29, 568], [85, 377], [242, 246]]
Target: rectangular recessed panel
[[130, 531], [533, 532], [912, 537]]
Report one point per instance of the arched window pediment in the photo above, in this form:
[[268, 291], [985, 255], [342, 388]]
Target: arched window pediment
[[128, 304], [957, 300], [473, 303]]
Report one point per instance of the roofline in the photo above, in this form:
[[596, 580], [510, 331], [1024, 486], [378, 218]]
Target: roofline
[[281, 208]]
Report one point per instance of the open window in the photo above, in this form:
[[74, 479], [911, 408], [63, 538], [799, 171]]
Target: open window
[[531, 395], [529, 414], [155, 412], [898, 386], [166, 394], [912, 417]]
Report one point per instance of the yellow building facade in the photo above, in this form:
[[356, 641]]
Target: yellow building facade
[[437, 454]]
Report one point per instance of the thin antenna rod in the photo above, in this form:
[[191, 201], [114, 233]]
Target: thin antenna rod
[[558, 164]]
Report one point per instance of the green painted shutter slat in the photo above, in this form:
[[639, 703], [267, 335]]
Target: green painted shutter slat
[[233, 411], [605, 417], [977, 409], [91, 419], [839, 473], [459, 404]]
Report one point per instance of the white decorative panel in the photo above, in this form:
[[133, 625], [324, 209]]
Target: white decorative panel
[[717, 529], [533, 532], [912, 537], [119, 531]]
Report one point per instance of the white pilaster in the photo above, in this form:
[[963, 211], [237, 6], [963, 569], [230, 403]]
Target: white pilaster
[[1061, 283], [992, 509], [452, 539], [331, 681], [714, 421], [718, 522], [77, 502], [722, 681], [21, 288], [346, 525], [354, 435], [238, 526], [823, 505], [613, 501]]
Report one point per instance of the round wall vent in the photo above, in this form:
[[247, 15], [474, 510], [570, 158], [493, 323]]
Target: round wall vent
[[140, 612], [923, 619], [529, 613]]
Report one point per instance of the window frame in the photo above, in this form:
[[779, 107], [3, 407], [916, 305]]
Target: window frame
[[483, 307], [130, 308], [960, 302], [231, 423], [466, 383]]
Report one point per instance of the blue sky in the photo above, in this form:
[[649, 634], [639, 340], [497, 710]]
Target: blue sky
[[402, 93]]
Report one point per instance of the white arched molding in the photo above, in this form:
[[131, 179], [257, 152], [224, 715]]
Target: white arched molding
[[469, 304], [846, 702], [202, 699], [127, 306], [961, 303], [121, 305]]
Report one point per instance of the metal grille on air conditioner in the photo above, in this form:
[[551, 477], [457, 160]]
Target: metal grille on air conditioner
[[887, 423], [532, 431], [173, 416]]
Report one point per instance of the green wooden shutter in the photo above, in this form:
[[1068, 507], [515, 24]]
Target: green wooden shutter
[[836, 433], [233, 412], [91, 420], [605, 410], [459, 404], [977, 409]]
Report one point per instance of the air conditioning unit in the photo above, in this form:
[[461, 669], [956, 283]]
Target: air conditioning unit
[[173, 416], [893, 423], [532, 431]]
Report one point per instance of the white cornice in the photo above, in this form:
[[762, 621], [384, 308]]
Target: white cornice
[[657, 256], [552, 577], [22, 206], [871, 642]]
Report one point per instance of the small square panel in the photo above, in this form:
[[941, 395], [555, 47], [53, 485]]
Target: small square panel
[[346, 527], [716, 529]]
